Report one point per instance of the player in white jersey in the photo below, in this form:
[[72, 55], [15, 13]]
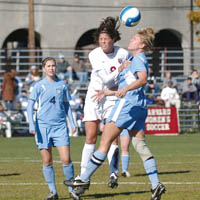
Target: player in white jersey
[[105, 61], [129, 112], [49, 126]]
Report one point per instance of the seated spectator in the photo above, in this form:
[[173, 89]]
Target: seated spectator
[[33, 77], [168, 77], [170, 96], [19, 86], [196, 79], [80, 69], [9, 88], [65, 70], [5, 122], [151, 88], [190, 91]]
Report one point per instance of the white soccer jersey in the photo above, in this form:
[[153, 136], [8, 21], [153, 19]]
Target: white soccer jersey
[[104, 73]]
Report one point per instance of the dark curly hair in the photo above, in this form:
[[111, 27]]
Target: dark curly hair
[[110, 26]]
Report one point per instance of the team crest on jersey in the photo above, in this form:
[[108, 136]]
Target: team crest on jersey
[[58, 90], [113, 68], [120, 60]]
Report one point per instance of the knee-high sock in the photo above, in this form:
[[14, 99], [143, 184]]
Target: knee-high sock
[[125, 162], [114, 158], [87, 152], [151, 170], [49, 176], [95, 162], [69, 173]]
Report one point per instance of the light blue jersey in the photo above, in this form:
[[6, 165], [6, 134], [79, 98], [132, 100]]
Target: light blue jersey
[[130, 111], [128, 75], [53, 104]]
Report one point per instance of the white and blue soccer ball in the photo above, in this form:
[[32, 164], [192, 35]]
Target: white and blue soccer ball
[[130, 16]]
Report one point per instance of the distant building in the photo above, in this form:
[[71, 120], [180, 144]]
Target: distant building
[[61, 24]]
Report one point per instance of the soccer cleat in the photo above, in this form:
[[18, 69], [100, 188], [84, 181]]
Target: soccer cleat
[[74, 195], [52, 196], [77, 182], [126, 174], [113, 181], [158, 191]]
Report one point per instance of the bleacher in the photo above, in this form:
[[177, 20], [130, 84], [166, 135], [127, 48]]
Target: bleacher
[[189, 116]]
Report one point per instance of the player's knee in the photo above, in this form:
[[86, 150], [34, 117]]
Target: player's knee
[[91, 139], [141, 147], [65, 161]]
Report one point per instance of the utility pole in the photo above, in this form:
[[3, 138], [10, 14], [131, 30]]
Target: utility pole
[[31, 33], [191, 39]]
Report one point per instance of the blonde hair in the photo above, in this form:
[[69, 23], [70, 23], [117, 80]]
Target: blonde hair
[[147, 36]]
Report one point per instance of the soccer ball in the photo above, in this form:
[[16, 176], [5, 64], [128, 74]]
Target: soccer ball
[[130, 16]]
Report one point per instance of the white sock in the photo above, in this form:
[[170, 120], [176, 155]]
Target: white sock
[[111, 151], [87, 152]]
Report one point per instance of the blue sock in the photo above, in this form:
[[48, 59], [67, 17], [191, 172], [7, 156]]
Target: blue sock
[[49, 176], [125, 162], [69, 173], [151, 170], [95, 162], [114, 164]]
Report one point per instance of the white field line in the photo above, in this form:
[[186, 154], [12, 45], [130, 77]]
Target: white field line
[[105, 183], [78, 162]]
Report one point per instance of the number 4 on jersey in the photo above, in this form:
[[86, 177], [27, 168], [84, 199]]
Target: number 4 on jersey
[[53, 100]]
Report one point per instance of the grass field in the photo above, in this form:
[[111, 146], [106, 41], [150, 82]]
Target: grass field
[[178, 160]]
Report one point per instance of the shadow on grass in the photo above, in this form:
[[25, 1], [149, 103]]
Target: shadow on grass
[[164, 173], [111, 195], [108, 195], [13, 174]]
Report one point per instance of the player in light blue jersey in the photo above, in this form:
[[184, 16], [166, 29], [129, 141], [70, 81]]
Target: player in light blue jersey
[[49, 124], [129, 112]]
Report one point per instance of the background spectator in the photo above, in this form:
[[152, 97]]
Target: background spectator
[[151, 88], [80, 69], [64, 70], [80, 114], [168, 77], [23, 100], [4, 122], [32, 77], [190, 91], [196, 79], [9, 88], [170, 96], [19, 87]]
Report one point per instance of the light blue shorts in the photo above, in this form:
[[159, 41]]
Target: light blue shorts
[[127, 116], [54, 136], [124, 133]]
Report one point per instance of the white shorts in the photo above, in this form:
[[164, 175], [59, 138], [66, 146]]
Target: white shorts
[[106, 108], [91, 111], [94, 111]]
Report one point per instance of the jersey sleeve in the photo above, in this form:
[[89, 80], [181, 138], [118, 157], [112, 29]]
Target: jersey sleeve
[[30, 108], [67, 94], [138, 65]]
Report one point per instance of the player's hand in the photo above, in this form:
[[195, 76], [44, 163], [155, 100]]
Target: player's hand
[[121, 93], [32, 132], [124, 65], [74, 131], [98, 96]]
